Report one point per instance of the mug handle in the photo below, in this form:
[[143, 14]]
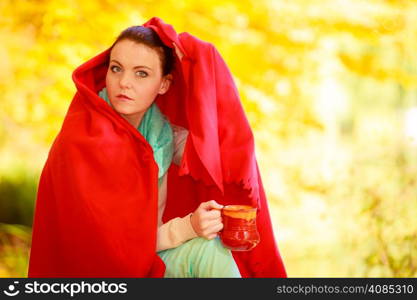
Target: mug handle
[[221, 212]]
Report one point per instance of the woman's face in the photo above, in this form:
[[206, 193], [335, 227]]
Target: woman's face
[[134, 79]]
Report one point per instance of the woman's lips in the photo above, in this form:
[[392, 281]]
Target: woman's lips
[[123, 97]]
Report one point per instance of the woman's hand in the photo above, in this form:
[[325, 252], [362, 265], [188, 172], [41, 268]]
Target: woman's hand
[[178, 51], [207, 220]]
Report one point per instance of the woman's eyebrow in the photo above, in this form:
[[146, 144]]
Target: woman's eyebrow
[[133, 67]]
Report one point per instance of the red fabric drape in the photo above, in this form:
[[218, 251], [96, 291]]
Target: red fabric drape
[[96, 210]]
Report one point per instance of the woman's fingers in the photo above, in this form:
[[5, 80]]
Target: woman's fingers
[[212, 214], [218, 227], [211, 236], [209, 225], [215, 231], [210, 205], [212, 229]]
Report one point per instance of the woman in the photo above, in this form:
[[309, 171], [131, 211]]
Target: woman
[[129, 185]]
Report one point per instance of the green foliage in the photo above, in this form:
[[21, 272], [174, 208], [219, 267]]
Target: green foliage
[[17, 193], [14, 250]]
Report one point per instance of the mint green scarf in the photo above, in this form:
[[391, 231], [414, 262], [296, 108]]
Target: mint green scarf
[[157, 131]]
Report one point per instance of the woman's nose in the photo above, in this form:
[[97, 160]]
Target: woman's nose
[[125, 81]]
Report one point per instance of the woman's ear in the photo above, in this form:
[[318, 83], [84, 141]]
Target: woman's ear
[[166, 82]]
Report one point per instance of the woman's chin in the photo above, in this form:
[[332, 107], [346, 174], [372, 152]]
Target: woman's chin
[[125, 109]]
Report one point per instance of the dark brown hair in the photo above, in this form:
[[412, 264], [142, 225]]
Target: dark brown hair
[[148, 37]]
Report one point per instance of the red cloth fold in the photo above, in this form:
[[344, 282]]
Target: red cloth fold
[[96, 210]]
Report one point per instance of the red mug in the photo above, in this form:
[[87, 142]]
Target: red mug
[[239, 231]]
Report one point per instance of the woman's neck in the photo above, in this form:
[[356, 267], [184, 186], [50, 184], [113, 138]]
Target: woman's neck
[[135, 119]]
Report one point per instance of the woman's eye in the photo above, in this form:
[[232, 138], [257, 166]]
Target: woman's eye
[[115, 69], [141, 73]]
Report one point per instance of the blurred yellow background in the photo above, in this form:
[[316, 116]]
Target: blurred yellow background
[[329, 87]]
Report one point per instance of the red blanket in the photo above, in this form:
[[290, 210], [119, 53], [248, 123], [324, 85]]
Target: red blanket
[[96, 209]]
